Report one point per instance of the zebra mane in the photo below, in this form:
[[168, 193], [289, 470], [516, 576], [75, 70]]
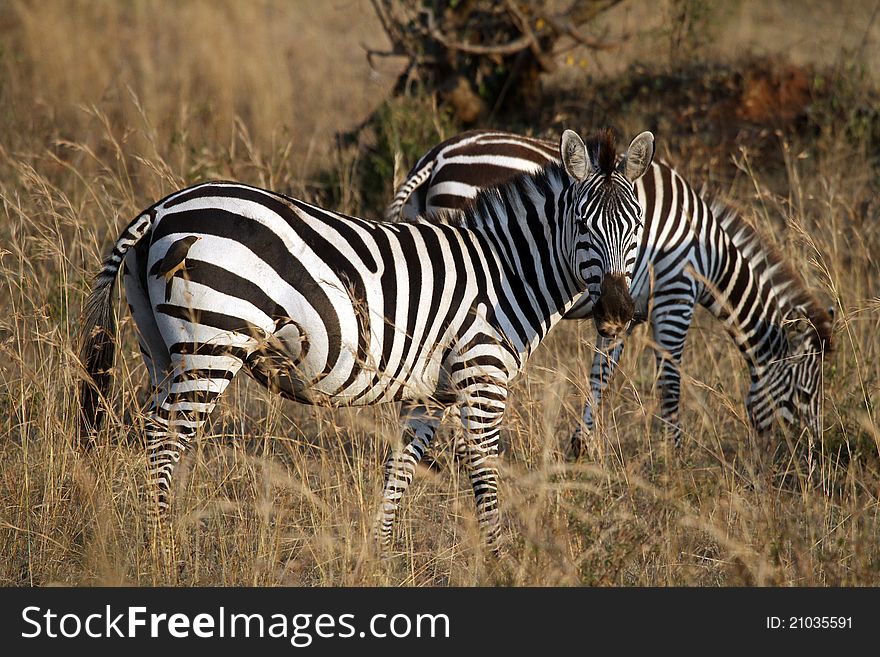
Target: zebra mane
[[794, 298], [603, 150], [493, 200]]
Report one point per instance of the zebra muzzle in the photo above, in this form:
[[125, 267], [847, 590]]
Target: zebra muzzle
[[615, 308]]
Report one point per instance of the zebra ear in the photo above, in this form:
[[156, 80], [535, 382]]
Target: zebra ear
[[574, 154], [638, 157]]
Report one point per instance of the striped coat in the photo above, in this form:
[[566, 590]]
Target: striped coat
[[693, 251], [329, 309]]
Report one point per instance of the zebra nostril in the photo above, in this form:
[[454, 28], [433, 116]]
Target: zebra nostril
[[615, 308]]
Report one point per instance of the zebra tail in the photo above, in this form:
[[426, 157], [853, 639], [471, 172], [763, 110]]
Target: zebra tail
[[98, 333], [413, 181]]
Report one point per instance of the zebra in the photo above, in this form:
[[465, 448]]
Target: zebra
[[693, 250], [329, 309]]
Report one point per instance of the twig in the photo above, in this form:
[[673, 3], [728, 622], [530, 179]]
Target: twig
[[567, 27], [546, 63], [373, 52], [386, 21], [583, 12], [510, 48]]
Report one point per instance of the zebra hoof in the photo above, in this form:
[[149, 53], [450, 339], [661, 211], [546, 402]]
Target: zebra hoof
[[498, 551], [674, 437], [381, 549], [580, 446], [669, 430], [501, 567]]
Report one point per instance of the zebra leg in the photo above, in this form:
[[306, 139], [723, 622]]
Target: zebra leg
[[180, 407], [459, 451], [420, 425], [154, 352], [670, 334], [482, 409], [605, 360]]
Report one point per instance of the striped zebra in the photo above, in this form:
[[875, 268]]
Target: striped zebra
[[692, 251], [328, 309]]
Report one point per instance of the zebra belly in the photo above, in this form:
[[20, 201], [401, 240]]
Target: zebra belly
[[300, 323], [284, 362], [280, 364]]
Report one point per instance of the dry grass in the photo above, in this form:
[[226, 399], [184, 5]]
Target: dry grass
[[138, 98]]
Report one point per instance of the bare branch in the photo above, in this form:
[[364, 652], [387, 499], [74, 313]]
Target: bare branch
[[566, 27], [372, 52], [497, 47], [476, 49], [582, 12], [546, 62], [383, 19]]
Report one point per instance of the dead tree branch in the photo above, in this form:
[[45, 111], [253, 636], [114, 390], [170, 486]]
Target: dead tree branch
[[495, 52]]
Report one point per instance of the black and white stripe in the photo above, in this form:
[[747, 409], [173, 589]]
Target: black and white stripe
[[692, 251], [458, 168], [328, 309]]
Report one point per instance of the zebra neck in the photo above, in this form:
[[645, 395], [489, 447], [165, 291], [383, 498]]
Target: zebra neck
[[522, 223], [748, 294]]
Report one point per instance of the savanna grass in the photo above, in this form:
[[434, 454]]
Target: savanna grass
[[277, 493]]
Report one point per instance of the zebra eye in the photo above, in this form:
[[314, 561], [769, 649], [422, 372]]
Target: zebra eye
[[803, 394]]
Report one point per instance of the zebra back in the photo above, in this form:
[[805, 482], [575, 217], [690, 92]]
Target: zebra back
[[450, 175]]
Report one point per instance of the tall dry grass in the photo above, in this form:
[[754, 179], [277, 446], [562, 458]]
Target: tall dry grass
[[107, 107]]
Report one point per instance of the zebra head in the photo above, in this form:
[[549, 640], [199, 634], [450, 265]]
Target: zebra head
[[788, 390], [607, 220]]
